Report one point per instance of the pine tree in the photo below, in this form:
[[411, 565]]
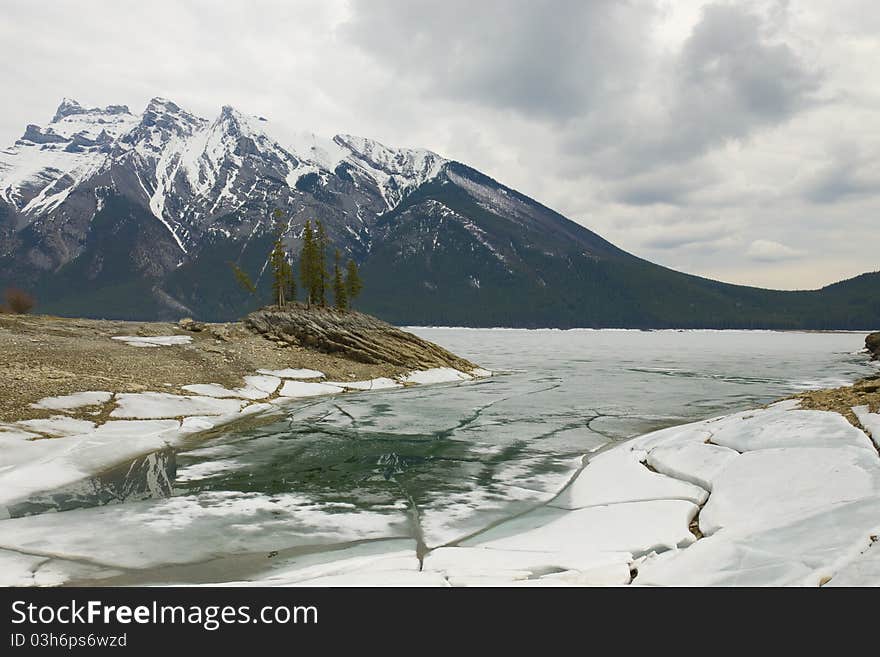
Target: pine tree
[[340, 294], [282, 273], [320, 264], [353, 283], [307, 265], [243, 279], [291, 282]]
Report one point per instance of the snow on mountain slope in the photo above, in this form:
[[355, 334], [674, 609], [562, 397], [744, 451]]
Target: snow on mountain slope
[[396, 171], [39, 171], [187, 170]]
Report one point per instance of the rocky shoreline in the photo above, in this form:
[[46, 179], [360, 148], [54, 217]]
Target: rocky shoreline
[[872, 344], [45, 356]]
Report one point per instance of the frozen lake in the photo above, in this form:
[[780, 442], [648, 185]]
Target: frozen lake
[[424, 466]]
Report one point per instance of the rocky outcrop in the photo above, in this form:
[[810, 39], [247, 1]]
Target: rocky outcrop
[[872, 344], [353, 335]]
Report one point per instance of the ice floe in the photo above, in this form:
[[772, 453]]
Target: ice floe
[[148, 405], [790, 428], [154, 341], [256, 387], [620, 476], [767, 487], [305, 389]]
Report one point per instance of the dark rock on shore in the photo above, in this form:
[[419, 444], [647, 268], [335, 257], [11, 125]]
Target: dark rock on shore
[[351, 334], [872, 343]]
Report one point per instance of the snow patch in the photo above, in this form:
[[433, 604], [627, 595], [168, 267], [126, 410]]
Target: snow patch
[[76, 400], [154, 341]]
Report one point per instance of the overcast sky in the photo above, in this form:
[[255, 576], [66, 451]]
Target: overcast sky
[[739, 141]]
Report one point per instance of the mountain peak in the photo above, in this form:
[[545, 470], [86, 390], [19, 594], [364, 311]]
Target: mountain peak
[[162, 106], [67, 107], [70, 107]]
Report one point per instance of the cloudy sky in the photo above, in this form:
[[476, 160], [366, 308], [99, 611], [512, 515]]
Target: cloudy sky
[[736, 140]]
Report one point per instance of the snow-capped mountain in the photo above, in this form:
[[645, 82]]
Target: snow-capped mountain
[[104, 212], [190, 171]]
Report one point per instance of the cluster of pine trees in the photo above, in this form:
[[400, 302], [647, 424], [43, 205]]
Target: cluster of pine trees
[[314, 274]]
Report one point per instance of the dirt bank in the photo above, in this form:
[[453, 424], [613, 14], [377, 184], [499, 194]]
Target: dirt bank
[[44, 356]]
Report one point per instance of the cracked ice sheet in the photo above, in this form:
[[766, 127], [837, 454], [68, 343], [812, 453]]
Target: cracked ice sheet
[[763, 429], [805, 552], [496, 492], [698, 463], [76, 400], [256, 387], [633, 527], [155, 341], [702, 431], [769, 486], [436, 375], [190, 529], [619, 476], [41, 465], [149, 405]]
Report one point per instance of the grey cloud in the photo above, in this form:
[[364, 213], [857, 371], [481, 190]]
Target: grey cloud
[[589, 71], [551, 59], [732, 79], [728, 81], [707, 235], [671, 185], [849, 174]]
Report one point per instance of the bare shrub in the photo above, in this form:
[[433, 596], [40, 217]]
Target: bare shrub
[[18, 301]]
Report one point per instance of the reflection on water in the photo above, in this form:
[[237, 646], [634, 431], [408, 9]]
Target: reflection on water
[[147, 477]]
